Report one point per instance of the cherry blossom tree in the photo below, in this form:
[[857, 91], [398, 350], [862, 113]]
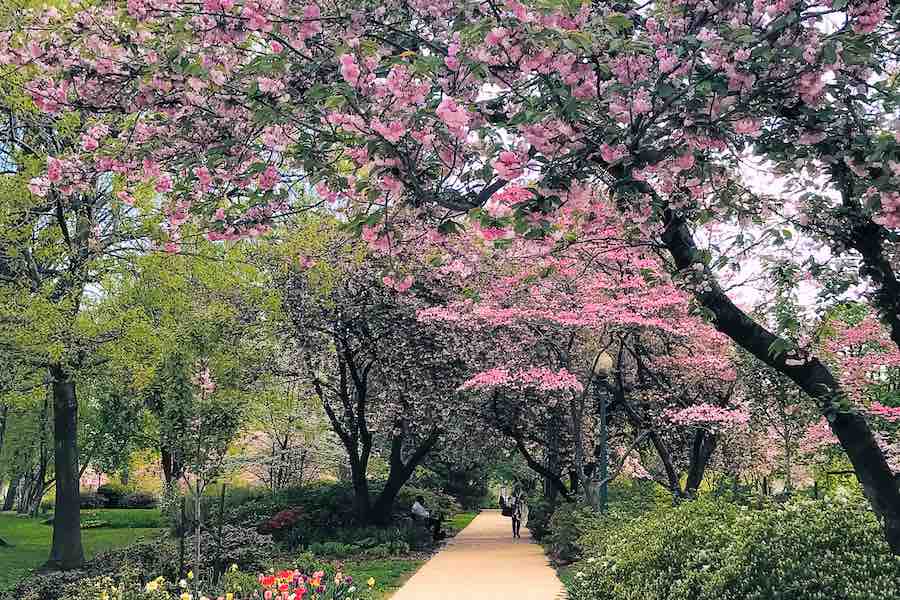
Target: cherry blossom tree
[[552, 314]]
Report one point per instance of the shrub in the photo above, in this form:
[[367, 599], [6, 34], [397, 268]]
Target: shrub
[[333, 549], [139, 500], [156, 555], [805, 550], [89, 500], [114, 493], [241, 546], [93, 523], [251, 512], [127, 563], [45, 586], [714, 550], [539, 513], [280, 524], [325, 504], [567, 525], [131, 584]]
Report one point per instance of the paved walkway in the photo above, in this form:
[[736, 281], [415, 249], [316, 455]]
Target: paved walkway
[[483, 562]]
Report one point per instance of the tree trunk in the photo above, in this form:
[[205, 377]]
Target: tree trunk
[[552, 478], [171, 467], [66, 551], [11, 491], [637, 421], [810, 374], [576, 408], [23, 498], [383, 509], [362, 504], [702, 450], [788, 466], [4, 417]]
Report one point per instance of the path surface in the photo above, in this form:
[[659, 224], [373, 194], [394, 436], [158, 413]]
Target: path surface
[[483, 562]]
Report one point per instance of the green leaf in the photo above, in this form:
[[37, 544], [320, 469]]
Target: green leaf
[[619, 22], [335, 102]]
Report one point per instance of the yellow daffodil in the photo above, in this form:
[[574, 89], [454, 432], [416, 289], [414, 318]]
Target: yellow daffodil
[[190, 574], [186, 596], [229, 596], [371, 582], [152, 586]]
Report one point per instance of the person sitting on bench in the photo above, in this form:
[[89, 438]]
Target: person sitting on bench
[[419, 512]]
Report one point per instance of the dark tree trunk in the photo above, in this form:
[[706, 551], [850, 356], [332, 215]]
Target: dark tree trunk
[[553, 482], [23, 498], [383, 509], [4, 416], [810, 374], [172, 467], [66, 551], [11, 492], [868, 238], [701, 451], [637, 421], [362, 503]]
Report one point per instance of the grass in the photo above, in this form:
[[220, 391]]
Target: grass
[[30, 543], [125, 518], [460, 521], [115, 518], [389, 573]]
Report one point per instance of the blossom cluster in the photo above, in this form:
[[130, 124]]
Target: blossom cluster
[[540, 378]]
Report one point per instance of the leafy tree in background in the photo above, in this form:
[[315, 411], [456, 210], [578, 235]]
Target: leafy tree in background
[[212, 309], [54, 250], [287, 439], [385, 379]]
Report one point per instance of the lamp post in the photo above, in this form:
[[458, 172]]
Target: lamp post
[[603, 366]]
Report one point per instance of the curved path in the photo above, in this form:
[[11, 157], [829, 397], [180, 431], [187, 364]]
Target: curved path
[[483, 562]]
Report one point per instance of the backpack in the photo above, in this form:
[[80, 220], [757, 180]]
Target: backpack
[[505, 509]]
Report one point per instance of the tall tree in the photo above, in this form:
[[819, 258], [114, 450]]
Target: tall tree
[[384, 378]]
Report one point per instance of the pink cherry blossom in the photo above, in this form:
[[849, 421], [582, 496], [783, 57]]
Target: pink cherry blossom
[[39, 186], [508, 165], [270, 86]]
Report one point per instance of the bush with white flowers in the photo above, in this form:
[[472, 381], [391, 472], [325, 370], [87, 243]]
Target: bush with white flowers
[[713, 550]]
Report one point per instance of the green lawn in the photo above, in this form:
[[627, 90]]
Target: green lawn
[[389, 573], [30, 542], [460, 521], [117, 518]]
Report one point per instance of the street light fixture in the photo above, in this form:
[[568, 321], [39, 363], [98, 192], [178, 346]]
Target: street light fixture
[[602, 368]]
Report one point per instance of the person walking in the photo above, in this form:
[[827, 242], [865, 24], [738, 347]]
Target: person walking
[[519, 511]]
